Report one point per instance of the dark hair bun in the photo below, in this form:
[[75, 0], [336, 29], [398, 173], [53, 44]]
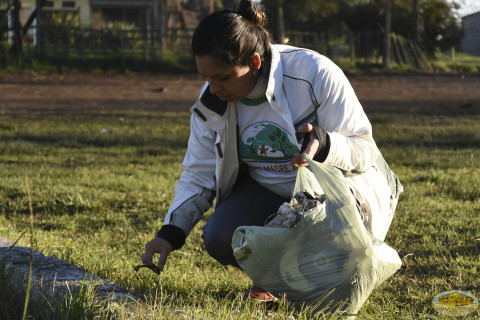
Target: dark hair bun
[[248, 10]]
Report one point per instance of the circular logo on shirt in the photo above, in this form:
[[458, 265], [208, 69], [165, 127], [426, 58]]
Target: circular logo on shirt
[[267, 141]]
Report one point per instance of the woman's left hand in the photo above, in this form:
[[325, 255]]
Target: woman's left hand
[[311, 149]]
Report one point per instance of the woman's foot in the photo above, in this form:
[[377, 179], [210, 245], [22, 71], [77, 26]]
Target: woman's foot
[[259, 295]]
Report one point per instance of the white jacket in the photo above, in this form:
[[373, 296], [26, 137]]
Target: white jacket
[[302, 85]]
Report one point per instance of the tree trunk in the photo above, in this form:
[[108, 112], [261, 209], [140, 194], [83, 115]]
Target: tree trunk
[[38, 10], [386, 44], [17, 33], [280, 23], [416, 35], [163, 23]]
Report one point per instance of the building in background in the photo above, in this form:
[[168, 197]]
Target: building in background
[[471, 37], [70, 11], [163, 22], [97, 13]]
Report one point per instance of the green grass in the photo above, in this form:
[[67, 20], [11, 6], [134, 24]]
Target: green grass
[[100, 60], [102, 182], [180, 60], [456, 62]]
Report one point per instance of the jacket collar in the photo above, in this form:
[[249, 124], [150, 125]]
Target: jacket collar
[[274, 87], [213, 102]]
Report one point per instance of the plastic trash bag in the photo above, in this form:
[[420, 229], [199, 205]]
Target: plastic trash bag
[[327, 260]]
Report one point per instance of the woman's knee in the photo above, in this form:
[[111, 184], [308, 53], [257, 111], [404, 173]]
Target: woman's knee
[[218, 245]]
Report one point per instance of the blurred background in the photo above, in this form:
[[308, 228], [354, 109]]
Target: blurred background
[[154, 35]]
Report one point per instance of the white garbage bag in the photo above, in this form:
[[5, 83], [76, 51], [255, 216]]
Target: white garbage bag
[[326, 252]]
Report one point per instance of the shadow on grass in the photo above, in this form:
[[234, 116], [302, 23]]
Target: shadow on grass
[[150, 145], [457, 142]]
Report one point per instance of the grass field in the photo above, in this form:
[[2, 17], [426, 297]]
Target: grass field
[[102, 182]]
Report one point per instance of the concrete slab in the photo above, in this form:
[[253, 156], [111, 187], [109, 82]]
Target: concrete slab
[[53, 278]]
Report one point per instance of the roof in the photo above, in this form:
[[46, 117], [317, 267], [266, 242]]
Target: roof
[[472, 15]]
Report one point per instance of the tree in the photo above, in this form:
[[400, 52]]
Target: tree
[[229, 4], [439, 26], [430, 22], [308, 15], [363, 16], [5, 7]]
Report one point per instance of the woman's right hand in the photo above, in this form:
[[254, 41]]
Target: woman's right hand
[[157, 245], [310, 150]]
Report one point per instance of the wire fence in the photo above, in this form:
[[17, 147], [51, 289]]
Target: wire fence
[[133, 48], [363, 45], [136, 48]]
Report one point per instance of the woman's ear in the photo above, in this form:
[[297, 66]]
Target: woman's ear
[[255, 62]]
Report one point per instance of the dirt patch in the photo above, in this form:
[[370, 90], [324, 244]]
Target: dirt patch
[[418, 94], [87, 92]]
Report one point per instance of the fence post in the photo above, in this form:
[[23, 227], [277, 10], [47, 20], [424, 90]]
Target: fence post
[[351, 44], [153, 52], [104, 44], [122, 53], [81, 47], [145, 47], [67, 43], [6, 54], [134, 52], [58, 60], [29, 53], [315, 41], [323, 43], [54, 29]]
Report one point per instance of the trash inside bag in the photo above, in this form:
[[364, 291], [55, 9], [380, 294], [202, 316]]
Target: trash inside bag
[[316, 250]]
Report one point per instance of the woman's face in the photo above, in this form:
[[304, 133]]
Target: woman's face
[[229, 83]]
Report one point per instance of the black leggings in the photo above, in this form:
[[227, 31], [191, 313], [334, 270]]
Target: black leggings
[[249, 204]]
